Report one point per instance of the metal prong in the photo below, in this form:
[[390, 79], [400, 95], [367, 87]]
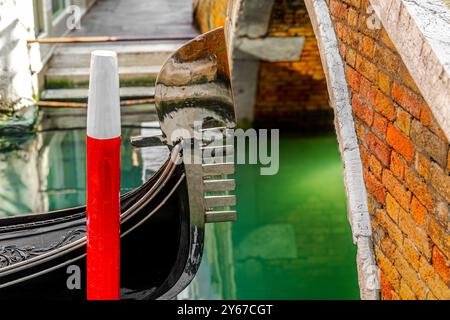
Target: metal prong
[[220, 201], [215, 169], [220, 216], [151, 141], [219, 185]]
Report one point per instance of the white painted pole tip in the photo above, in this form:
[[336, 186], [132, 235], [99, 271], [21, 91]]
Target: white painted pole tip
[[103, 116]]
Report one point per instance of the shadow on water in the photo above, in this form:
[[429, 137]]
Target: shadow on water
[[292, 239]]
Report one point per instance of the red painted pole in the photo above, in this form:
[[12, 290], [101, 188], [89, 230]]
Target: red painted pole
[[103, 178]]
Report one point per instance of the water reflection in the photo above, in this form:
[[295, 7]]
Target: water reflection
[[46, 171], [291, 241]]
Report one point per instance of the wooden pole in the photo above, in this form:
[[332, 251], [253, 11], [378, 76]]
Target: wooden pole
[[103, 178]]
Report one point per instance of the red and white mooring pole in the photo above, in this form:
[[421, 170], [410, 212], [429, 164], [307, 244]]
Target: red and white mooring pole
[[103, 178]]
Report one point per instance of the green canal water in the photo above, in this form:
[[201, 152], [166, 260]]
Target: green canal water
[[292, 239]]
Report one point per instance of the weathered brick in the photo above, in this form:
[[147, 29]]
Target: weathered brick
[[391, 274], [424, 139], [411, 254], [367, 47], [388, 247], [407, 99], [405, 291], [397, 190], [433, 280], [382, 103], [338, 9], [384, 38], [367, 69], [422, 166], [440, 237], [375, 167], [350, 57], [364, 156], [386, 59], [391, 228], [400, 143], [353, 78], [379, 125], [364, 90], [375, 145], [397, 166], [374, 187], [403, 121], [362, 110], [386, 288], [419, 189], [352, 17], [418, 212], [441, 264], [384, 82], [392, 207], [440, 181], [409, 275], [414, 233]]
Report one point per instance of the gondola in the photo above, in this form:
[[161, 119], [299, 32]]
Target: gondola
[[162, 221]]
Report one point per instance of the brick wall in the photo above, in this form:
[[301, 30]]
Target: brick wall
[[405, 154], [293, 95], [405, 158]]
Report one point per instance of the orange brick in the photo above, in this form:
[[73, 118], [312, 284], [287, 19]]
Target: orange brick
[[397, 190], [406, 292], [367, 69], [387, 60], [374, 187], [422, 166], [367, 47], [409, 275], [362, 110], [391, 228], [440, 181], [400, 143], [352, 18], [391, 274], [353, 78], [411, 254], [441, 264], [379, 125], [386, 40], [440, 237], [382, 103], [377, 146], [407, 99], [414, 233], [384, 82], [433, 280], [350, 57], [418, 212], [375, 167], [397, 166], [403, 121], [392, 207], [386, 288], [364, 90], [364, 156], [419, 189]]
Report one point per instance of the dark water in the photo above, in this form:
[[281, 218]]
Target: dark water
[[291, 241]]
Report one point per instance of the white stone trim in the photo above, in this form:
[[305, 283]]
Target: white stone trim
[[358, 212], [420, 31]]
